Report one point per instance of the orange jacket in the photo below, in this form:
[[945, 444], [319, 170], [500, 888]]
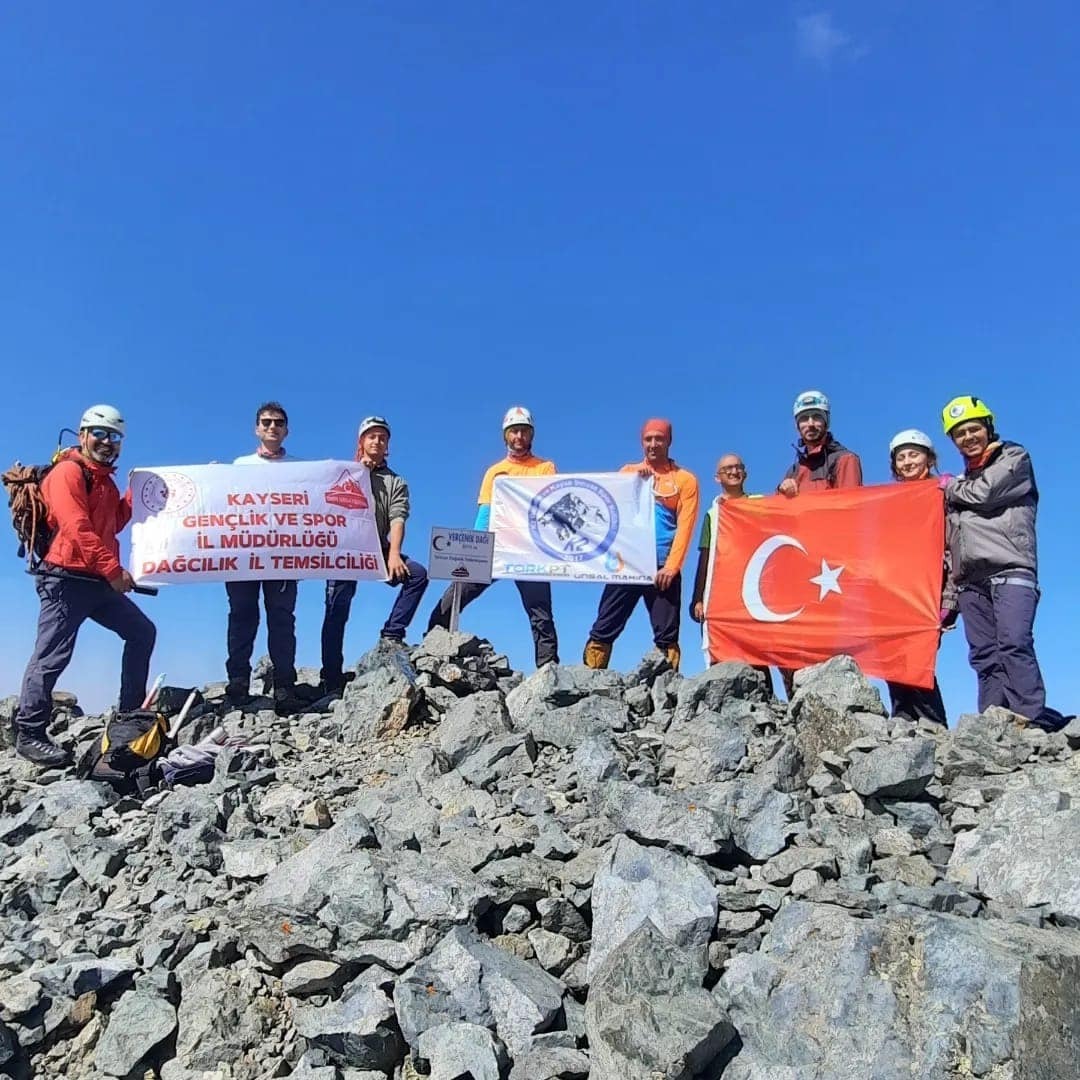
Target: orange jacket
[[676, 500], [85, 523]]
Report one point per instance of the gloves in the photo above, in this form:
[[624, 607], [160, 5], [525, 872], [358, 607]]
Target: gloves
[[948, 617]]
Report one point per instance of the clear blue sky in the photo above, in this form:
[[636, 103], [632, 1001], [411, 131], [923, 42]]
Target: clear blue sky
[[603, 211]]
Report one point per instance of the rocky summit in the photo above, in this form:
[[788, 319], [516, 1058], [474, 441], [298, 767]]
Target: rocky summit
[[454, 871]]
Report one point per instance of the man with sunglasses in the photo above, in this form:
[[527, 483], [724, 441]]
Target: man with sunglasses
[[81, 578], [676, 505], [279, 597]]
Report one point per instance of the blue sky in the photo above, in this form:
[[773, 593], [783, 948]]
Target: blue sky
[[603, 211]]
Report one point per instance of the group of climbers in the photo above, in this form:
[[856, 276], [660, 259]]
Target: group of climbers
[[990, 577]]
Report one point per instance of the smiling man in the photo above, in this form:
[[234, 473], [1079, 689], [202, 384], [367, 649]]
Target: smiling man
[[990, 522], [821, 463], [518, 431], [81, 578], [676, 505]]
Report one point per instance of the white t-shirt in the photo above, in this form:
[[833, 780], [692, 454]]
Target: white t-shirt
[[260, 459]]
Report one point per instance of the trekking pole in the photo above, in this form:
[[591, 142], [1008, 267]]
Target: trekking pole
[[142, 590], [181, 716], [153, 691]]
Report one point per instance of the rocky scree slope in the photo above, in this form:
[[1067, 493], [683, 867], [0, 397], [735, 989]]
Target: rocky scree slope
[[454, 871]]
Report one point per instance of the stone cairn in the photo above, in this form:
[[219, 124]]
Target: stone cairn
[[454, 871]]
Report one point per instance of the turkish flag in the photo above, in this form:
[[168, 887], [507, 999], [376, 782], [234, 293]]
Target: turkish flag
[[856, 571]]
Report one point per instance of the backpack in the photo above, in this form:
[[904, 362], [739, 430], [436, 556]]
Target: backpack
[[29, 514], [126, 756]]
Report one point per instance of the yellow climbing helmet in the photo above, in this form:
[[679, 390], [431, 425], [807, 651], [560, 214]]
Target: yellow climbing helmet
[[962, 409]]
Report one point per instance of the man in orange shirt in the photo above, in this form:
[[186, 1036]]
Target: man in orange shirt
[[518, 431], [676, 494]]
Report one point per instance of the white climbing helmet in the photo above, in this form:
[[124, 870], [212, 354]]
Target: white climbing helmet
[[517, 414], [370, 422], [810, 401], [910, 437], [106, 416]]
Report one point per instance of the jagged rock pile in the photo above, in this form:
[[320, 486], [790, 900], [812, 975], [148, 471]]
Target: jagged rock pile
[[454, 871]]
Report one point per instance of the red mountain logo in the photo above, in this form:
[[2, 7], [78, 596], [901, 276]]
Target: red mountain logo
[[347, 492]]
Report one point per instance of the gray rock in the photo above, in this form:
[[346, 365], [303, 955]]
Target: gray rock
[[901, 769], [299, 883], [567, 727], [516, 919], [376, 705], [561, 917], [648, 1015], [634, 884], [498, 758], [1025, 852], [9, 1045], [254, 858], [556, 686], [77, 975], [1071, 731], [189, 824], [465, 978], [830, 708], [137, 1024], [444, 645], [359, 1029], [900, 994], [665, 817], [595, 760], [65, 804], [218, 1019], [458, 1049], [469, 722], [553, 952], [703, 748], [313, 977], [762, 819], [550, 1063], [717, 688], [780, 869]]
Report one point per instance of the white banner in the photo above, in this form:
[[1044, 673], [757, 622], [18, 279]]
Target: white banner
[[293, 520], [575, 527]]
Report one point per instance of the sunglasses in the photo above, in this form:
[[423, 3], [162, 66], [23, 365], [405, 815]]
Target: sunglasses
[[106, 435], [271, 421], [732, 470]]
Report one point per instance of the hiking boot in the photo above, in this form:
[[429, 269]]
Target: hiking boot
[[237, 694], [332, 687], [307, 693], [41, 750], [286, 703], [597, 654]]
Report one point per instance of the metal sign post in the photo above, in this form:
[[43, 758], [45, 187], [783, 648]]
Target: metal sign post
[[455, 606]]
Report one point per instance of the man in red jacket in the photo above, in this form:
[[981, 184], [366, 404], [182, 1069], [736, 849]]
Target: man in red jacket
[[81, 578], [821, 463]]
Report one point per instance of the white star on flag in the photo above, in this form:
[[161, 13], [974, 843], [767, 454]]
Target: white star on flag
[[828, 580]]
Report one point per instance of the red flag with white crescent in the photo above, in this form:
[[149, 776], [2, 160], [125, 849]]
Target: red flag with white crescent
[[856, 571]]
